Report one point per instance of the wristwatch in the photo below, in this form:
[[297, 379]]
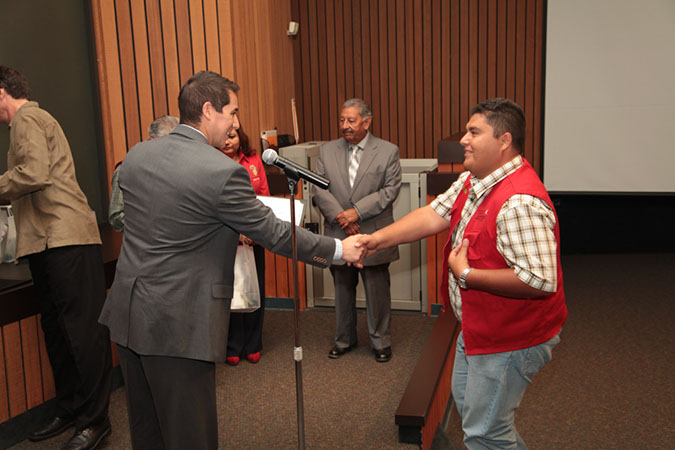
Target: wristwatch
[[462, 278]]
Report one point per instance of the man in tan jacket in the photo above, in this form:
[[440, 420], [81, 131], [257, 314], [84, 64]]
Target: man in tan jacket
[[58, 235]]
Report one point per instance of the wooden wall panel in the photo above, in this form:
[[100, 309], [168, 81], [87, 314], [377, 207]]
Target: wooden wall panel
[[384, 68], [183, 39], [156, 56], [109, 75], [437, 87], [284, 288], [125, 38], [197, 35], [276, 77], [147, 50], [417, 95], [537, 124], [245, 69], [48, 386], [4, 400], [211, 36], [31, 361], [421, 64], [16, 386], [409, 147], [454, 119], [322, 50], [142, 58], [25, 373], [427, 83], [170, 46], [270, 282], [225, 35]]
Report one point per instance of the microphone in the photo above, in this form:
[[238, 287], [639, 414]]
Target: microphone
[[272, 158]]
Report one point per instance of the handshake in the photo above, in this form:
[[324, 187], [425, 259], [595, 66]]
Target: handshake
[[358, 246]]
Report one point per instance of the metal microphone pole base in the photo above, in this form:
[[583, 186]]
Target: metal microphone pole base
[[293, 178]]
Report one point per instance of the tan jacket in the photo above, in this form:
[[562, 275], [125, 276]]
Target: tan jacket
[[49, 207]]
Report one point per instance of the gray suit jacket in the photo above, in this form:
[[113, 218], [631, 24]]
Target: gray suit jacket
[[376, 187], [185, 206]]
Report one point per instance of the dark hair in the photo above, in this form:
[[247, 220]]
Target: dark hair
[[504, 116], [244, 142], [14, 82], [202, 87]]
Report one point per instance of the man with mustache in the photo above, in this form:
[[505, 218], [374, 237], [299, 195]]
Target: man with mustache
[[365, 180]]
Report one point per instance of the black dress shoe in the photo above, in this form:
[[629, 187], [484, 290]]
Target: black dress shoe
[[57, 426], [383, 355], [89, 437], [336, 351]]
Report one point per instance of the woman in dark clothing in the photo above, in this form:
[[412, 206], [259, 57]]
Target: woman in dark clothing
[[245, 333]]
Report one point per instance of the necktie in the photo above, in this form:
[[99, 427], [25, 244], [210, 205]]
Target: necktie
[[354, 163]]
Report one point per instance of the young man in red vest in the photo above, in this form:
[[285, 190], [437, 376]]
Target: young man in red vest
[[506, 287]]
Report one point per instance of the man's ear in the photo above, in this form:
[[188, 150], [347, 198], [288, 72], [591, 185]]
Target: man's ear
[[207, 110], [366, 123], [506, 140]]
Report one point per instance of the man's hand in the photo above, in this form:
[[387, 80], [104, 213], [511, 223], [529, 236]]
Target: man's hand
[[457, 260], [350, 252], [351, 229], [369, 243], [246, 240], [347, 217]]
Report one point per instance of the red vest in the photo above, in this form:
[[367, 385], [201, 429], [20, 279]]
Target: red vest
[[490, 323]]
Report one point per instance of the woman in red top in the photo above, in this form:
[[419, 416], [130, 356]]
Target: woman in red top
[[245, 334]]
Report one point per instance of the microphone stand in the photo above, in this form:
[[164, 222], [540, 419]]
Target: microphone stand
[[293, 178]]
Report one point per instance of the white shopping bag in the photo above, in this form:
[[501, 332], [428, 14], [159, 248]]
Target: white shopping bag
[[7, 235], [246, 296]]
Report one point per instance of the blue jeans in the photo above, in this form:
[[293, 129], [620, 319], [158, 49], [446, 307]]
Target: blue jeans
[[488, 389]]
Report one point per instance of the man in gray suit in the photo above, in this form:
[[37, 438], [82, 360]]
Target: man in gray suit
[[168, 309], [365, 180]]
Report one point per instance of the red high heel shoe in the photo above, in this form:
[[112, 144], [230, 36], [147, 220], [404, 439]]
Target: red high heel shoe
[[232, 360], [253, 357]]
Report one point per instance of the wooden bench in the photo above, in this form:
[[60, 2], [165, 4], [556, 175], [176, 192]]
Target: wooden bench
[[428, 391]]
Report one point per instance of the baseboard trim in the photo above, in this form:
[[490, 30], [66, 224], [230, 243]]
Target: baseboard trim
[[281, 303]]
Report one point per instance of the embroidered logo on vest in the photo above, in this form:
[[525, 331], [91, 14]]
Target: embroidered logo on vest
[[481, 214]]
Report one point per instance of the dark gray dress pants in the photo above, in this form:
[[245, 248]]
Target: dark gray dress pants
[[377, 285], [171, 401]]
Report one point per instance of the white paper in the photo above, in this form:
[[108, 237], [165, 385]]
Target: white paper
[[282, 208]]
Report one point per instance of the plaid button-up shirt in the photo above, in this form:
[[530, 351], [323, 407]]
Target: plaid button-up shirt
[[525, 236]]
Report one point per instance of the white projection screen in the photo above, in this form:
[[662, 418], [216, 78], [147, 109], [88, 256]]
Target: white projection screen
[[609, 123]]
